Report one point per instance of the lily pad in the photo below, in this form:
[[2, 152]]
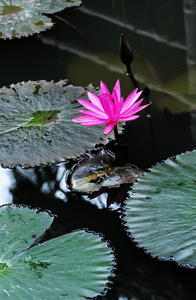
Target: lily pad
[[73, 266], [15, 234], [161, 209], [36, 126], [23, 18], [183, 82], [97, 171], [175, 103], [178, 94]]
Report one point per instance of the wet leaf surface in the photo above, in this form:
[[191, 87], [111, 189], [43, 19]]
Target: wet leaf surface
[[23, 18], [75, 265], [36, 126], [161, 209]]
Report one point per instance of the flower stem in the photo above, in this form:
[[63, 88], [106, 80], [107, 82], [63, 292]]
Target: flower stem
[[116, 135], [131, 76]]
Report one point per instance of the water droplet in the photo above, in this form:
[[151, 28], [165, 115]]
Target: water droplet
[[3, 227]]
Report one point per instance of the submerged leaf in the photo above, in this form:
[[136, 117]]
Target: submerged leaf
[[177, 98], [178, 94], [36, 126], [121, 175], [113, 68], [161, 209], [73, 266], [88, 173], [175, 103], [22, 18], [97, 171], [183, 82]]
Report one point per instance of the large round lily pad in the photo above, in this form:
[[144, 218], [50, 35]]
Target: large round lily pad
[[161, 210], [22, 18], [73, 266], [36, 126]]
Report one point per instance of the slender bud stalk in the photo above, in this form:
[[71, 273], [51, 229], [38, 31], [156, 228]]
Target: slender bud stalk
[[116, 135], [126, 56]]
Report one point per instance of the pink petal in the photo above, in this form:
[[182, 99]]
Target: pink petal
[[115, 97], [131, 108], [92, 123], [128, 118], [115, 118], [131, 99], [107, 104], [119, 106], [104, 88], [92, 114], [82, 119], [135, 110], [95, 100], [109, 126], [117, 89], [90, 106], [88, 120]]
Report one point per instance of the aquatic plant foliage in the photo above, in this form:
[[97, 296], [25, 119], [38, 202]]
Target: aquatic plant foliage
[[36, 126], [23, 18], [75, 265], [161, 209]]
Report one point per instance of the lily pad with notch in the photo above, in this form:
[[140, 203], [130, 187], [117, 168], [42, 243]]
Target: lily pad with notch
[[161, 210], [23, 18], [36, 126], [75, 266]]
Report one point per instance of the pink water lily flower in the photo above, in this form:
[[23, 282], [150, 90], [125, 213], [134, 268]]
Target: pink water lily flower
[[109, 108]]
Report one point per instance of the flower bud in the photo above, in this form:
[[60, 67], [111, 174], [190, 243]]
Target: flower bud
[[126, 53]]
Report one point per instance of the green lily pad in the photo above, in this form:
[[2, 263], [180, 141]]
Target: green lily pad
[[36, 126], [97, 171], [73, 266], [23, 18], [13, 219], [161, 209]]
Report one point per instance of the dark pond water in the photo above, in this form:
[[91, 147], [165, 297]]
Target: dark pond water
[[161, 35]]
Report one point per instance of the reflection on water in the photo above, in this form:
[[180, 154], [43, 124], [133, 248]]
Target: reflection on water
[[190, 29], [6, 184], [50, 181]]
